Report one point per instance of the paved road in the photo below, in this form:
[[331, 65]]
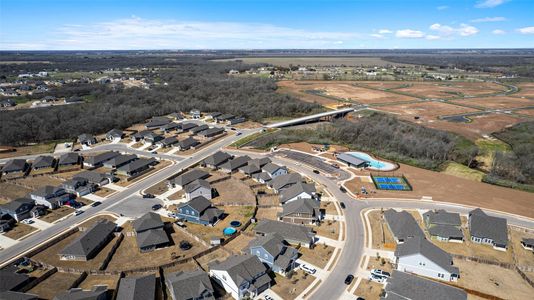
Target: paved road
[[110, 203]]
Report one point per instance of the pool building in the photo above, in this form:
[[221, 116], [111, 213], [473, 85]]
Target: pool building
[[363, 160], [352, 161]]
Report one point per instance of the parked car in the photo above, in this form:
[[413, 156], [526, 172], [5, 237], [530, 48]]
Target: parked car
[[78, 212], [342, 204], [316, 171], [342, 189], [156, 206], [148, 196], [233, 128], [95, 204], [181, 224], [308, 269], [27, 221], [239, 133], [379, 272], [267, 297], [335, 166], [349, 279], [378, 279]]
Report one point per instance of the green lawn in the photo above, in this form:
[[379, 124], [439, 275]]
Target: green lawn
[[462, 171]]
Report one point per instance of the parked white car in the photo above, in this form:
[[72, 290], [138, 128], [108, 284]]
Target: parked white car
[[27, 221], [375, 278], [380, 273], [308, 269]]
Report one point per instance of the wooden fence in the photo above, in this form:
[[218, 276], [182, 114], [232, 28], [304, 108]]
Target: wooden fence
[[38, 280], [106, 261]]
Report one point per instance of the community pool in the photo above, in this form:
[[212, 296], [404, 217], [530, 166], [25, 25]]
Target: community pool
[[374, 164]]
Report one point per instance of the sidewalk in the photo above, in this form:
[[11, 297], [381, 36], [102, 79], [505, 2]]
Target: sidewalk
[[115, 187], [42, 225], [6, 242], [94, 197], [329, 242]]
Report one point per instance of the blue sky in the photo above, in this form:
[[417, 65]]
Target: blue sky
[[259, 24]]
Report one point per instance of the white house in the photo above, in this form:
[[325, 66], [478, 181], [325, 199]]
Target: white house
[[418, 255], [297, 191], [274, 170]]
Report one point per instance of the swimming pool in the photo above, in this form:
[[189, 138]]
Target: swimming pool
[[229, 231], [374, 164]]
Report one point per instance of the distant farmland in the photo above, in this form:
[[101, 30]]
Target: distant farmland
[[316, 61]]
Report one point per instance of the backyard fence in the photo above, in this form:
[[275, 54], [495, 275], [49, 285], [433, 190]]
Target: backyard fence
[[106, 261]]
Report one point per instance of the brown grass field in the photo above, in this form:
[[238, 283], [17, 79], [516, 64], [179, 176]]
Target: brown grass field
[[426, 110], [528, 112], [57, 283], [444, 90], [502, 102], [291, 288], [526, 90]]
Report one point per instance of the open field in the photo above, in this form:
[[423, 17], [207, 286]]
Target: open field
[[290, 288], [380, 263], [528, 112], [316, 61], [328, 228], [158, 188], [239, 244], [501, 102], [233, 191], [53, 215], [450, 89], [526, 90], [57, 283], [462, 171], [329, 207], [318, 256], [426, 110], [381, 235], [12, 191], [29, 150]]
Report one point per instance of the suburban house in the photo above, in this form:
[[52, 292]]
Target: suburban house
[[216, 159], [69, 159], [177, 116], [86, 139], [6, 223], [285, 181], [152, 138], [418, 255], [195, 114], [8, 102], [150, 232], [187, 144], [211, 132], [242, 276], [89, 243], [136, 167], [407, 286], [96, 161], [223, 118], [198, 129], [157, 122], [213, 115], [98, 292], [274, 170], [236, 120], [272, 251], [197, 188], [98, 179], [443, 226], [19, 166], [250, 169], [19, 209], [114, 134], [301, 211], [298, 191], [188, 126], [403, 225], [189, 285], [78, 186], [200, 211], [167, 142], [188, 177], [292, 233], [137, 288], [170, 127], [485, 229], [528, 244], [260, 162], [351, 160], [139, 136], [119, 161], [43, 162], [50, 196], [11, 281], [234, 164], [262, 177]]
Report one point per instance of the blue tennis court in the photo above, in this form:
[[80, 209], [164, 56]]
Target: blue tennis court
[[388, 180], [392, 183]]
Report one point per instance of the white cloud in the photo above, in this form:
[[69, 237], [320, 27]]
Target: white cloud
[[526, 30], [442, 7], [489, 3], [498, 32], [378, 36], [432, 37], [385, 31], [448, 31], [489, 19], [443, 30], [467, 30], [409, 34]]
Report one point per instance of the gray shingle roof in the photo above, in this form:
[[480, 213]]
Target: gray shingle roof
[[260, 162], [191, 187], [169, 141], [419, 245], [189, 177], [263, 176], [235, 163], [17, 204], [85, 137], [301, 206], [402, 224], [188, 142], [442, 217], [295, 190], [189, 285], [188, 126], [10, 280], [406, 286], [120, 159], [241, 268], [147, 221], [199, 204], [271, 168], [8, 295], [152, 237], [290, 232], [446, 231], [199, 128], [46, 190], [137, 288], [90, 240], [285, 180], [79, 294], [217, 158], [275, 245], [250, 169], [157, 122], [212, 131], [15, 165], [484, 226], [100, 158], [91, 176], [43, 161], [115, 133], [527, 241], [137, 164], [69, 158]]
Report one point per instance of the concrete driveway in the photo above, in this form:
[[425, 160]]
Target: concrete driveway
[[135, 206]]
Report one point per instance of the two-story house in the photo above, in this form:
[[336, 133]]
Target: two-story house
[[200, 211], [19, 209], [272, 250], [189, 285], [198, 188], [150, 232], [274, 170], [78, 186], [443, 226], [50, 196]]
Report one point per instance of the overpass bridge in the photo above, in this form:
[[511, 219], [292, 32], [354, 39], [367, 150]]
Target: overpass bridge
[[312, 118]]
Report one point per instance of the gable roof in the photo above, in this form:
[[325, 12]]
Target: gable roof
[[157, 122], [169, 141], [85, 137], [263, 176], [301, 206], [89, 241], [271, 168], [189, 177], [235, 163], [46, 190], [189, 285], [150, 220], [260, 162], [485, 226], [217, 158], [137, 164], [271, 242], [17, 296], [188, 126], [16, 204], [295, 190], [290, 232], [199, 128], [407, 286], [241, 268], [447, 231], [116, 133], [43, 161], [188, 142], [442, 217], [402, 224], [353, 160], [152, 237], [10, 280], [137, 288], [250, 169], [420, 245], [211, 131], [199, 204], [120, 159], [14, 165], [171, 125], [100, 158], [69, 158], [191, 187], [286, 179]]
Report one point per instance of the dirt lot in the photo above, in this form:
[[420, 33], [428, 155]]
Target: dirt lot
[[219, 255], [522, 256], [11, 191], [158, 188], [328, 228], [233, 191], [527, 90], [189, 266], [268, 213], [53, 285], [444, 90], [426, 110], [239, 213], [369, 289], [493, 280], [290, 288], [104, 192], [380, 263], [20, 230], [92, 280], [382, 236], [496, 102], [128, 256], [56, 214], [318, 256], [239, 244], [329, 207], [528, 112]]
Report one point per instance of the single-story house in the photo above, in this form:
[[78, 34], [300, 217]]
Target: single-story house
[[260, 162], [188, 126], [211, 132], [223, 118], [86, 139], [186, 144], [408, 286], [150, 232], [292, 233], [136, 167], [167, 142], [262, 177], [170, 127], [188, 177], [274, 170], [234, 164], [199, 187], [137, 288], [177, 116], [98, 292], [87, 245], [152, 138], [6, 223], [157, 122], [443, 226], [242, 276], [15, 166], [69, 159], [119, 161], [189, 285], [403, 225], [285, 181], [272, 250], [213, 115], [419, 256], [50, 196], [352, 161], [216, 159], [301, 211], [200, 211], [43, 162], [139, 136], [489, 230], [528, 243], [98, 179], [97, 160], [298, 191], [114, 134], [198, 129], [236, 120], [250, 169], [19, 209]]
